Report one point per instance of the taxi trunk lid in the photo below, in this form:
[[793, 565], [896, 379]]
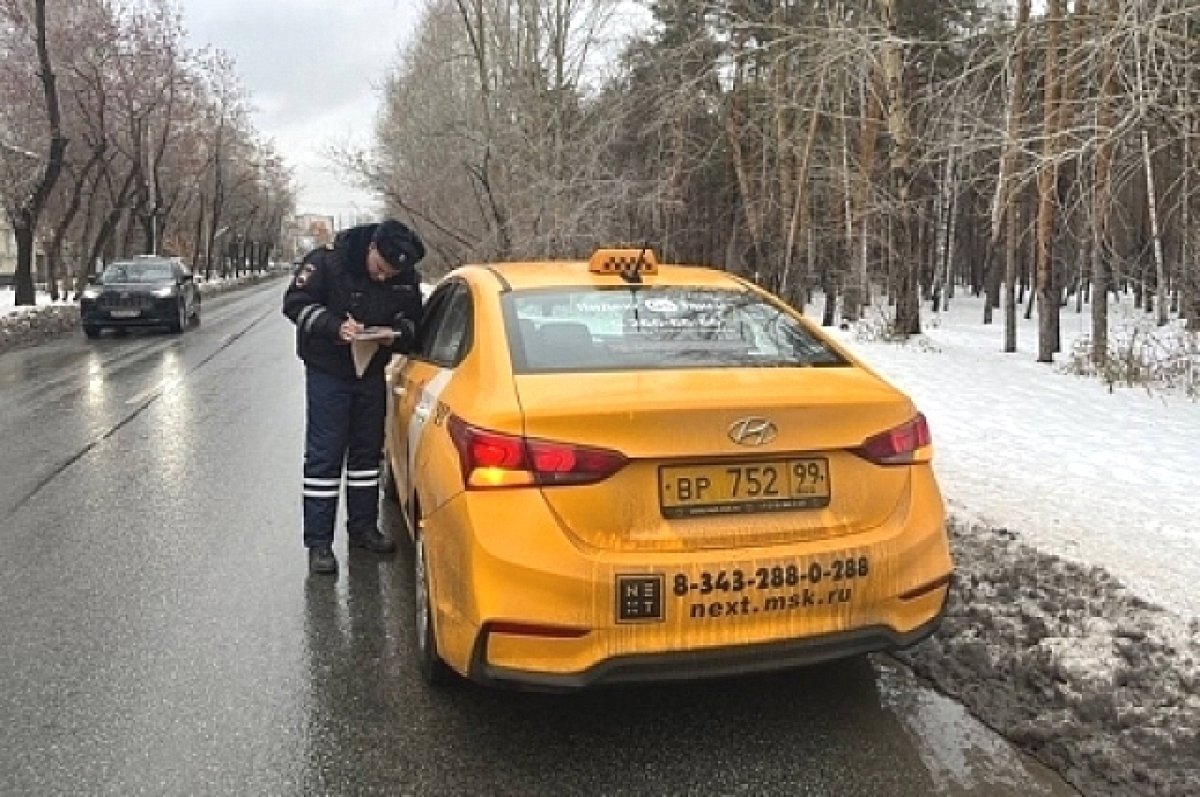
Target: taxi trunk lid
[[689, 485]]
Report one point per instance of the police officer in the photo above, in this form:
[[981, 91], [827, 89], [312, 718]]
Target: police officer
[[366, 279]]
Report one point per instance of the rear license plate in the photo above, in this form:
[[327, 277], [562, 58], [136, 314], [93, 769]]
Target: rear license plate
[[125, 313], [773, 485]]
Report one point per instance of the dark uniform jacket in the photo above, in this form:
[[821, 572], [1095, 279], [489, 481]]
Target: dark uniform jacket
[[331, 284]]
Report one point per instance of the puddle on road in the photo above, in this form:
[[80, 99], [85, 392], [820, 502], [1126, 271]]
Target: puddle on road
[[964, 757]]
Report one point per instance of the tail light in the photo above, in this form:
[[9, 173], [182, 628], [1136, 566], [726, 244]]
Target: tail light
[[898, 446], [494, 459]]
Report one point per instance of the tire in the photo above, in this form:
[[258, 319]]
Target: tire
[[387, 482], [91, 330], [180, 319], [433, 670]]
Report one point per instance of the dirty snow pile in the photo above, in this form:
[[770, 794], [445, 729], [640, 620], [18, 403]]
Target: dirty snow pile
[[20, 325], [1094, 681], [1074, 624]]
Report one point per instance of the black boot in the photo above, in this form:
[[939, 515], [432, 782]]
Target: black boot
[[372, 540], [321, 560]]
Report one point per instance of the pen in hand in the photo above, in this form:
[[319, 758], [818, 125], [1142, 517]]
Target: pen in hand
[[349, 328]]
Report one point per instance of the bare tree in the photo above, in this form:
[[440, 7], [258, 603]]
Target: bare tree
[[868, 137], [1006, 195], [876, 146], [1047, 297], [24, 206], [908, 318]]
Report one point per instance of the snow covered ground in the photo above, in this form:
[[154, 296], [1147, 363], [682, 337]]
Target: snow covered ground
[[8, 302], [1100, 477]]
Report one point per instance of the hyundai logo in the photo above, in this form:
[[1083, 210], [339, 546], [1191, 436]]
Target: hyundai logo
[[753, 431]]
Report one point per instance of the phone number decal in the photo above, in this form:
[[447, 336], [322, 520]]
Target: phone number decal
[[707, 582]]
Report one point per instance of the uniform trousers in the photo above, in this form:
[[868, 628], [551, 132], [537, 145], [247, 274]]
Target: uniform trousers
[[343, 432]]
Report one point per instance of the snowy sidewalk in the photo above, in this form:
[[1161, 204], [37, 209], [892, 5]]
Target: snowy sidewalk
[[1108, 479]]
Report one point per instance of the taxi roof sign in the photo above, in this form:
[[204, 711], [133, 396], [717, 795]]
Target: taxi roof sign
[[623, 261]]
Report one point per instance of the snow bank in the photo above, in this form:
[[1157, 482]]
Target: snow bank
[[1062, 659]]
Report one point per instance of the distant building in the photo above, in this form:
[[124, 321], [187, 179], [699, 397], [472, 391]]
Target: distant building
[[8, 253], [307, 231]]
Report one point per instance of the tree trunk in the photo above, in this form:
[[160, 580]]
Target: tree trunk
[[25, 220], [829, 314], [1066, 175], [1152, 203], [1190, 301], [951, 249], [1006, 197], [104, 234], [943, 246], [1012, 224], [1012, 197], [798, 216], [83, 268], [54, 254], [908, 307], [855, 289], [810, 260], [847, 201], [1082, 278], [1047, 301], [734, 132], [198, 236], [1101, 195]]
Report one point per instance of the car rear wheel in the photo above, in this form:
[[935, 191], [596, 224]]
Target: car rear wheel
[[433, 670]]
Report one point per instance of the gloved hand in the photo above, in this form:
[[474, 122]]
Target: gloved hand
[[406, 335]]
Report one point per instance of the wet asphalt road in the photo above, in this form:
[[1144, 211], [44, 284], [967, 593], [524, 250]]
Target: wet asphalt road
[[159, 633]]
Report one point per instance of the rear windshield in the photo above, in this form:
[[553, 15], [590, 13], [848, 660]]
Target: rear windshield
[[646, 327]]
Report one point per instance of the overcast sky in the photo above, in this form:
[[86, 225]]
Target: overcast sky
[[313, 69]]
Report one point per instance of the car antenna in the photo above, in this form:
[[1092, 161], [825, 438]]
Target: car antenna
[[634, 275]]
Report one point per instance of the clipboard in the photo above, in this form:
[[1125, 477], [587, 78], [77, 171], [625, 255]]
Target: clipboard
[[376, 334]]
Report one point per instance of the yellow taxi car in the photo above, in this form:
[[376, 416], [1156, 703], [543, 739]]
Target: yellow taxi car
[[615, 470]]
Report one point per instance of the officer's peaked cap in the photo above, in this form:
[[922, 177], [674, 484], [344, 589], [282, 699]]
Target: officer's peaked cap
[[398, 244]]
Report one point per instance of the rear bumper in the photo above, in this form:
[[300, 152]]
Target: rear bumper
[[709, 663], [517, 602]]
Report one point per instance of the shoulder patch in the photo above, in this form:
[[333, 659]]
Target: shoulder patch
[[303, 274]]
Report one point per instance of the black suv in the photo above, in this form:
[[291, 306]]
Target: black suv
[[145, 291]]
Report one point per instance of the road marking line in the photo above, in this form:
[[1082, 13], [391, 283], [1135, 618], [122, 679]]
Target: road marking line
[[153, 392]]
